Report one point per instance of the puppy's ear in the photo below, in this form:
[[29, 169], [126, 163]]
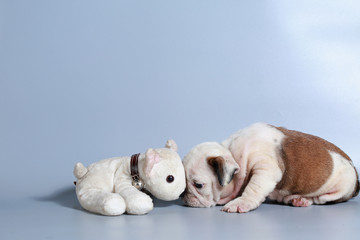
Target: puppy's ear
[[171, 144], [151, 158], [224, 169]]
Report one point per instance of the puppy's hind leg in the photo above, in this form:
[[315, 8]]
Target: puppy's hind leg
[[336, 196], [342, 184], [301, 202], [99, 201], [298, 201]]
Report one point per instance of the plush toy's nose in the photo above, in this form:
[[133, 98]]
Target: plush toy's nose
[[183, 194]]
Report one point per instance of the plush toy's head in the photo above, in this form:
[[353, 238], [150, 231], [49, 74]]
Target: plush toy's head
[[163, 172]]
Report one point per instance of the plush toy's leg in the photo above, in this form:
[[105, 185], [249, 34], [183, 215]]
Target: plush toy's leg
[[99, 201], [137, 202]]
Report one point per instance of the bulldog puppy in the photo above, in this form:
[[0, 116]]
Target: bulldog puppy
[[265, 161]]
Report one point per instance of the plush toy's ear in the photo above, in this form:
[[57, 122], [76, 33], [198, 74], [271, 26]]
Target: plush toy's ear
[[171, 144], [224, 169], [151, 158]]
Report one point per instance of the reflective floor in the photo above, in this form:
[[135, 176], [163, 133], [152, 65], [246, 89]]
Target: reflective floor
[[59, 216]]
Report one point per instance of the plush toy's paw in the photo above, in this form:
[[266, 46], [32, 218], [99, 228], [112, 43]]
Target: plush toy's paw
[[114, 206], [238, 205], [139, 204]]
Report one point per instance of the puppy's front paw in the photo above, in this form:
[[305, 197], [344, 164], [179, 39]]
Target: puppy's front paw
[[238, 205]]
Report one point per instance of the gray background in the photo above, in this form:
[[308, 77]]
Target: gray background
[[86, 80]]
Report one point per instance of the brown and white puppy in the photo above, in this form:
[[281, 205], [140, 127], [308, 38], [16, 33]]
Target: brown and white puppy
[[266, 161]]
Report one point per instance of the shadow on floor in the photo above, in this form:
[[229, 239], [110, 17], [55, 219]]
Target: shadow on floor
[[161, 203], [65, 197]]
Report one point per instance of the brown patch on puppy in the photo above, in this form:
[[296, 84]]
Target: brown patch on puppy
[[307, 161]]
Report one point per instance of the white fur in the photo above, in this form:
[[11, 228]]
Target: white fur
[[105, 187]]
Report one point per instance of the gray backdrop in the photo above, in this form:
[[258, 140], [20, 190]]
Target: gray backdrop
[[86, 80]]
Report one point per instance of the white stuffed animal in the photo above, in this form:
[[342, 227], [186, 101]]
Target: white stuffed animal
[[112, 186]]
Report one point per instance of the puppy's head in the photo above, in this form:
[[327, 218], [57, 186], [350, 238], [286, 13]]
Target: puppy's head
[[209, 169]]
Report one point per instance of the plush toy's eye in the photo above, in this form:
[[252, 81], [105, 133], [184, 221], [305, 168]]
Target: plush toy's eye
[[170, 178], [198, 185]]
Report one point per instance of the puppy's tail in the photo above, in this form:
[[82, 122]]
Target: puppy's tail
[[80, 170]]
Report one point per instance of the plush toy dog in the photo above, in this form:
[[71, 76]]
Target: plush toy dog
[[112, 186]]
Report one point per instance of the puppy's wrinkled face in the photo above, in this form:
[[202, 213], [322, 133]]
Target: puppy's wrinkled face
[[209, 167]]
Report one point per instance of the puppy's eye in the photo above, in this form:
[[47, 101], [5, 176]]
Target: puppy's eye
[[170, 178], [198, 185]]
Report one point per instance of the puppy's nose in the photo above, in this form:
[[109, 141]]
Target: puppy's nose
[[183, 194]]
